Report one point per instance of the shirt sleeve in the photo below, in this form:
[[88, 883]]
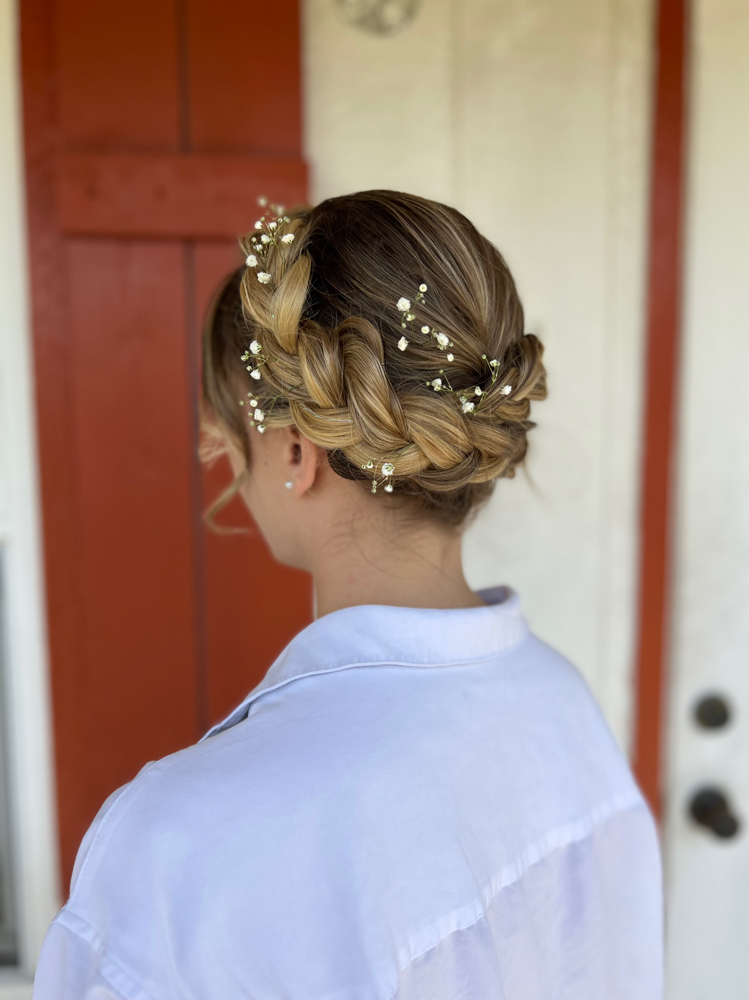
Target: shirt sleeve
[[70, 969], [71, 964]]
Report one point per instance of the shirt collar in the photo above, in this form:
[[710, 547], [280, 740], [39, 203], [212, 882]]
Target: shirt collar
[[368, 634]]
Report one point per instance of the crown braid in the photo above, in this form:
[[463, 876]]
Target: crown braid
[[328, 327]]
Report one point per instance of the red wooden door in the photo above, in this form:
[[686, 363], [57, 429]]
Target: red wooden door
[[151, 129]]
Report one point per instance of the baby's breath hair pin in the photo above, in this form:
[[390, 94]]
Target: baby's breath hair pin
[[408, 309], [270, 231], [470, 399], [387, 469], [253, 354], [257, 417]]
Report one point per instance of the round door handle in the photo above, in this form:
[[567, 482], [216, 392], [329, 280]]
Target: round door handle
[[712, 712], [709, 807]]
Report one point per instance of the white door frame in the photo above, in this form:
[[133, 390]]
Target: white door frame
[[26, 700]]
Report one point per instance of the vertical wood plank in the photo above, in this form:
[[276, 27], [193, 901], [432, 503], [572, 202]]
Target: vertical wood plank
[[134, 445]]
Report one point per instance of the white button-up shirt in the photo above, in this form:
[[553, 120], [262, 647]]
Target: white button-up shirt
[[412, 805]]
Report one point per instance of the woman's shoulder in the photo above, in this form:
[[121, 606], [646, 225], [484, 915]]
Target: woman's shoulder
[[166, 815]]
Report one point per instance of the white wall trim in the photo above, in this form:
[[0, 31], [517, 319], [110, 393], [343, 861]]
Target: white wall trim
[[15, 986], [27, 708]]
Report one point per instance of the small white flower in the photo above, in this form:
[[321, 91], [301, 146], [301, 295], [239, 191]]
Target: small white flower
[[263, 277], [265, 238], [262, 201], [259, 416], [370, 464], [478, 390], [255, 347], [288, 238], [272, 225], [258, 225], [442, 339], [251, 260], [410, 317], [506, 390], [245, 356], [468, 407], [253, 402], [494, 362], [450, 357], [425, 329], [261, 428], [436, 384], [255, 373], [402, 344], [389, 488], [388, 469], [403, 305], [422, 287]]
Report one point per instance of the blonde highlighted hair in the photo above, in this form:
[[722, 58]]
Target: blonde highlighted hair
[[329, 330]]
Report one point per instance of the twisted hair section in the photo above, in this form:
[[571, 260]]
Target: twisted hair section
[[329, 330]]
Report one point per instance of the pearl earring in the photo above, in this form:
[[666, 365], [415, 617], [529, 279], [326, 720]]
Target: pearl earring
[[288, 485]]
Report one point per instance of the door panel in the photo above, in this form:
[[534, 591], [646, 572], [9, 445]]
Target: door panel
[[708, 874], [149, 136]]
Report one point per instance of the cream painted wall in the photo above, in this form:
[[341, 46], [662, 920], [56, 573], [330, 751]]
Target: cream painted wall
[[708, 879], [24, 689], [531, 116]]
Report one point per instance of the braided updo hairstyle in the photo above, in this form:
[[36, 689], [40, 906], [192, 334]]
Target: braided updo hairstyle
[[329, 330]]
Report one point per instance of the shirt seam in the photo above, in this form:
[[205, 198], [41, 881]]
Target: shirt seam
[[132, 989], [130, 793], [574, 832]]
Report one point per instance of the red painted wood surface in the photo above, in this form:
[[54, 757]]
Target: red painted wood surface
[[178, 194], [661, 365], [151, 129]]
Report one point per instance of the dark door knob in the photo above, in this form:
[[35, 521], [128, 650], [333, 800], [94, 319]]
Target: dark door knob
[[709, 807], [712, 712]]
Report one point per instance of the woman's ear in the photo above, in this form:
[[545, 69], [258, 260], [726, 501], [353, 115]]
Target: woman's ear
[[306, 463]]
